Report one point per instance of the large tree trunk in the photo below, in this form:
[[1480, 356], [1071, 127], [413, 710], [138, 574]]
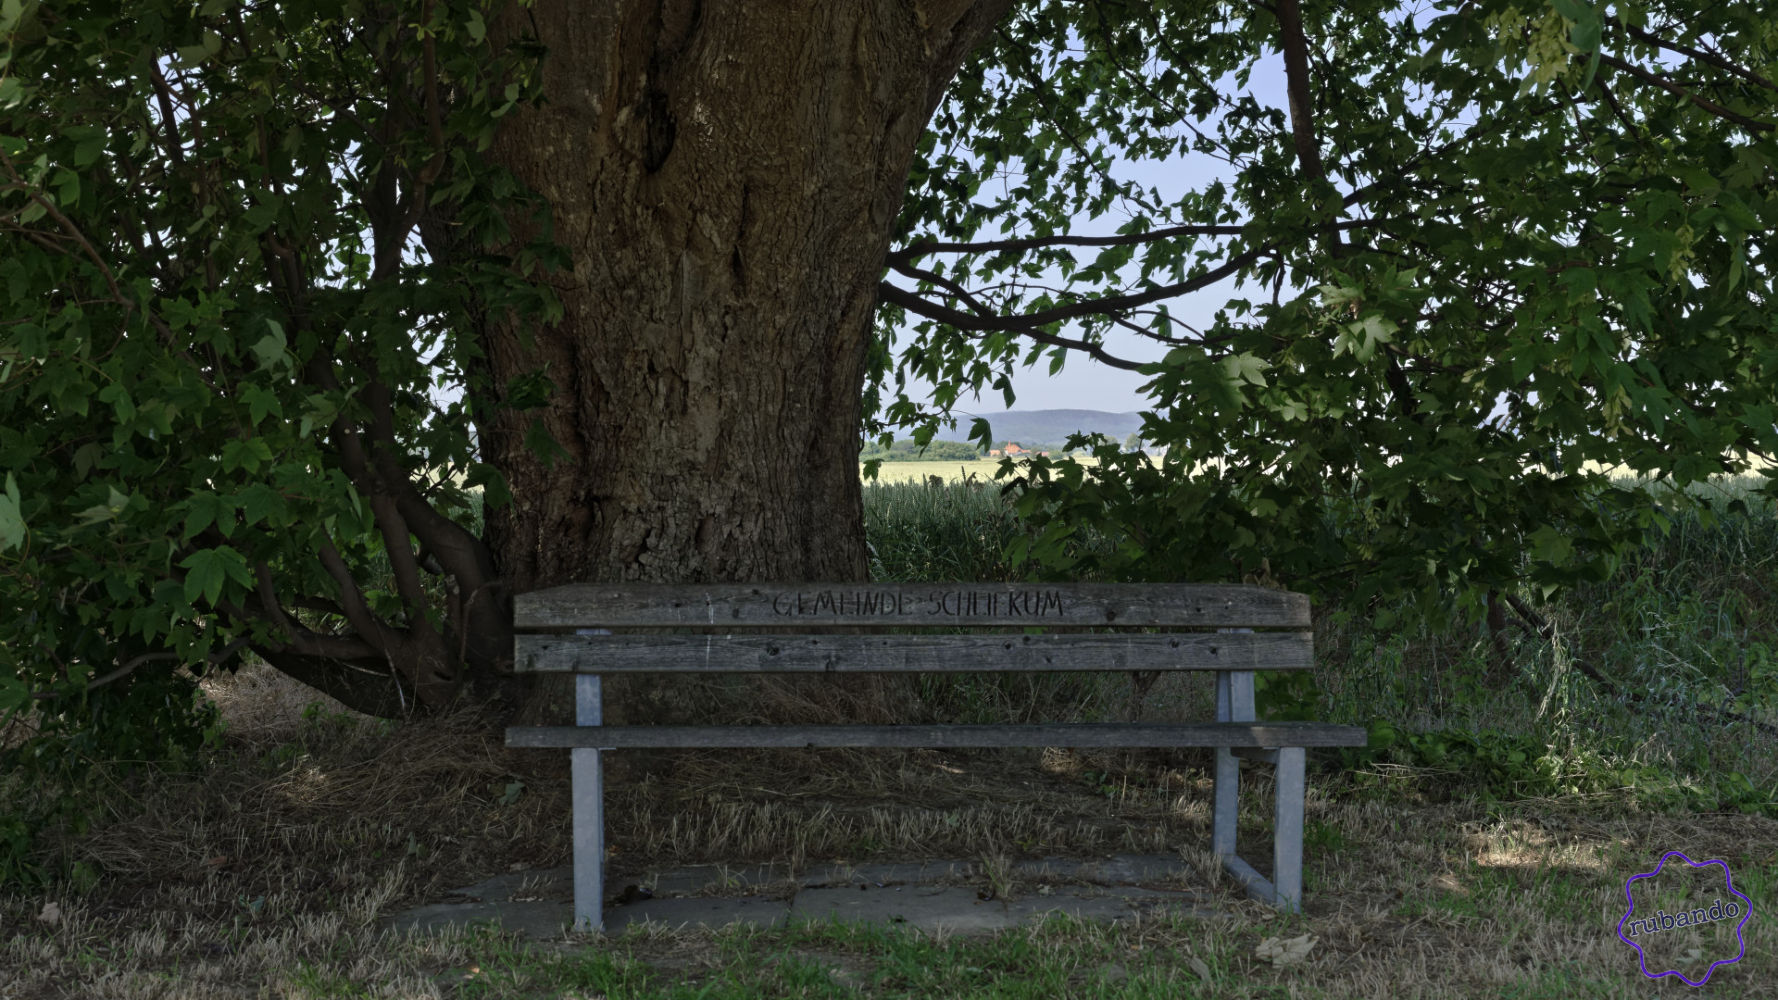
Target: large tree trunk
[[726, 176]]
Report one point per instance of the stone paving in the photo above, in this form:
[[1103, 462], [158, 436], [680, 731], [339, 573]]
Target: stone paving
[[953, 896]]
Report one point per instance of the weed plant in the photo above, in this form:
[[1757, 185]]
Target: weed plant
[[1660, 683]]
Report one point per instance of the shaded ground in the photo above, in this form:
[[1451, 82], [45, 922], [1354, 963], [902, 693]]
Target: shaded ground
[[272, 874], [932, 896]]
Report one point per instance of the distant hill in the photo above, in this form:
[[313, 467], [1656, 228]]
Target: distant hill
[[1033, 427]]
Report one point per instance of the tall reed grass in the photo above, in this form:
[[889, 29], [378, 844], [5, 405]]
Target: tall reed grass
[[1663, 678], [951, 532]]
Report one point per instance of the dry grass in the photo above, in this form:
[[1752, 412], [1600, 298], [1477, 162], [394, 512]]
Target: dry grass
[[264, 876], [309, 823]]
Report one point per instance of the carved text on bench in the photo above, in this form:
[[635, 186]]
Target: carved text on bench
[[1035, 603]]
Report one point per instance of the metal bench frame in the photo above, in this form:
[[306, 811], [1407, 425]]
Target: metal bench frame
[[718, 629]]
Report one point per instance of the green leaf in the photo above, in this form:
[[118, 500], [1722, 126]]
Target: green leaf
[[261, 402], [1588, 25], [208, 509], [195, 55], [209, 570], [67, 188], [260, 502], [15, 695], [249, 455], [270, 349], [12, 521], [540, 443], [260, 217], [86, 457], [95, 514], [1551, 546], [1245, 367], [119, 398]]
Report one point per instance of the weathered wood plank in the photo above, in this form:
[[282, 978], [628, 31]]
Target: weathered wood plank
[[1201, 734], [752, 653], [618, 605]]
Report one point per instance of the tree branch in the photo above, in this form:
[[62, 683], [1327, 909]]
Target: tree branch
[[954, 29], [1295, 47], [486, 630], [369, 626], [1026, 321], [50, 208], [390, 524], [1750, 124], [1140, 79], [389, 250], [130, 666], [1707, 58], [921, 248], [1618, 110], [915, 304], [163, 93], [373, 692]]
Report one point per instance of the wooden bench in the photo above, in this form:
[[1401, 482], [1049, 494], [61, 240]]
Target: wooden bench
[[741, 628]]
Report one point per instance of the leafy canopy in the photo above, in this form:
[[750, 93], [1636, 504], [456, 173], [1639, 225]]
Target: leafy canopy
[[1484, 253], [1481, 252], [219, 342]]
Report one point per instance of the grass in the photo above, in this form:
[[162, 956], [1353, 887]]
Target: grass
[[267, 878], [1689, 625], [1439, 867]]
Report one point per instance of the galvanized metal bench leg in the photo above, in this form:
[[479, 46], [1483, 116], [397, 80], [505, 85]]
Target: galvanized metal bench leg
[[1227, 803], [589, 811], [1234, 703], [1287, 830]]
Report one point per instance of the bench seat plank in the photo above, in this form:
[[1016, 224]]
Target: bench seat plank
[[901, 605], [1200, 734], [925, 653]]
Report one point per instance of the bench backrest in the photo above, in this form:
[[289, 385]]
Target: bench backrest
[[778, 627]]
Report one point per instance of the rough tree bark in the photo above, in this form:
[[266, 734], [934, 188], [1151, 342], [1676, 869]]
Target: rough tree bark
[[726, 176]]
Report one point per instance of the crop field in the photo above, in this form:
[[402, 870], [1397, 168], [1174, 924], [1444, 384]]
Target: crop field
[[983, 471], [950, 472]]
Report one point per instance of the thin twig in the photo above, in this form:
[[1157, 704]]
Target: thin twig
[[1750, 124], [1707, 58], [131, 666], [1547, 632]]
